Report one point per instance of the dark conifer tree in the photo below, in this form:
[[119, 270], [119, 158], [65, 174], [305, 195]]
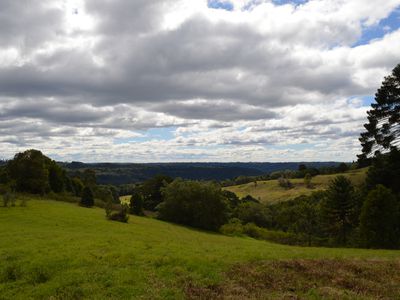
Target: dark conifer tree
[[136, 204], [340, 209], [383, 127], [379, 219], [87, 197]]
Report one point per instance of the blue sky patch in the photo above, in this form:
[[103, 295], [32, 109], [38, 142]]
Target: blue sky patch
[[226, 5], [387, 25], [368, 100], [294, 2]]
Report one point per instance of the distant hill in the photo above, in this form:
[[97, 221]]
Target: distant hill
[[269, 191], [123, 173]]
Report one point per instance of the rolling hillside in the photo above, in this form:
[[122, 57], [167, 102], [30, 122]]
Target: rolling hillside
[[270, 191], [56, 250]]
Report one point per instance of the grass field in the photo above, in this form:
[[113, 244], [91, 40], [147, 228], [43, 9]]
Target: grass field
[[56, 250], [270, 191]]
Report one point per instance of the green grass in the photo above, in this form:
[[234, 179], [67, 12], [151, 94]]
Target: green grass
[[269, 191], [57, 250]]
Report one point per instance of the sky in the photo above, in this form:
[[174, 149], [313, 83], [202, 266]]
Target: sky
[[192, 80]]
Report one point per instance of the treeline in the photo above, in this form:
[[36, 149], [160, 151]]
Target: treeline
[[118, 174], [34, 173], [302, 171]]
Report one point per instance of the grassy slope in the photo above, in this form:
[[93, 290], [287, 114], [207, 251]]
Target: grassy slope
[[270, 191], [59, 250]]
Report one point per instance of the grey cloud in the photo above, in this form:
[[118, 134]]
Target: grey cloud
[[26, 23], [120, 17], [52, 111], [215, 110], [197, 60], [126, 66]]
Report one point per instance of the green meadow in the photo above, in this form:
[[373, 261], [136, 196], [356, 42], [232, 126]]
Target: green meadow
[[57, 250], [269, 191]]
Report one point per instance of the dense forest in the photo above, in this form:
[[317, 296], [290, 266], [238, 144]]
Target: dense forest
[[126, 173]]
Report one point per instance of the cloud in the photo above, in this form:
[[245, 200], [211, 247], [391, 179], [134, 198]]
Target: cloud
[[96, 73]]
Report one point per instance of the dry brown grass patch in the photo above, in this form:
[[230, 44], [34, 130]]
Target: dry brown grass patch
[[306, 279]]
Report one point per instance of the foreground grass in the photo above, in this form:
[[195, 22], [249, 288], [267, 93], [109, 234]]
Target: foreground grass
[[269, 191], [306, 279], [56, 250]]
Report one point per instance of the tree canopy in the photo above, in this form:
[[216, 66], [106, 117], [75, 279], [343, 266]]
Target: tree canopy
[[198, 204], [383, 127]]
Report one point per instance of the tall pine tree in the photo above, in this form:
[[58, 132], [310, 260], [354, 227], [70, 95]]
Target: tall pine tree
[[340, 209], [383, 127]]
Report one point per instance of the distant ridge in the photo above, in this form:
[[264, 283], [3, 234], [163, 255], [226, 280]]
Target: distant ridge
[[123, 173]]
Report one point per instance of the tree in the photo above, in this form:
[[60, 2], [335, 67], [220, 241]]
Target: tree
[[307, 180], [379, 220], [77, 186], [251, 212], [232, 199], [56, 177], [302, 167], [89, 178], [197, 204], [136, 204], [342, 167], [383, 127], [30, 172], [306, 220], [87, 197], [103, 193], [151, 190], [339, 209], [385, 170]]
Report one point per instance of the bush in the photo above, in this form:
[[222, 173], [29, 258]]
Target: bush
[[285, 183], [234, 227], [87, 197], [120, 214], [307, 180]]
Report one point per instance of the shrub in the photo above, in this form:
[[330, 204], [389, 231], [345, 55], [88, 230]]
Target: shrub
[[307, 180], [119, 214], [87, 197], [285, 183], [234, 227]]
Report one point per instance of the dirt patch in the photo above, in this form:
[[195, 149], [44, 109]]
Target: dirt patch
[[305, 279]]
